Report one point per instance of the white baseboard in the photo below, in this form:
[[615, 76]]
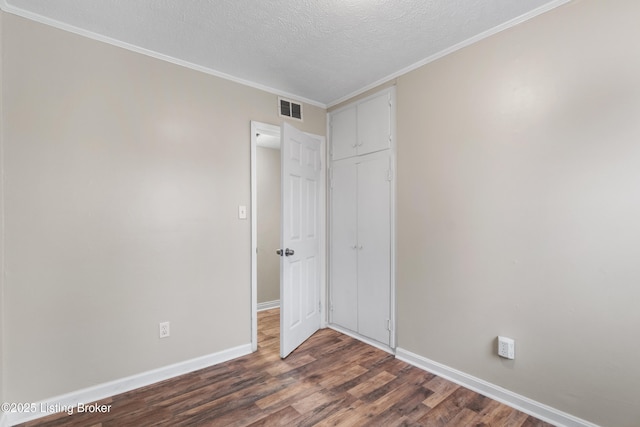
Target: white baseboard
[[268, 305], [521, 403], [359, 337], [102, 391]]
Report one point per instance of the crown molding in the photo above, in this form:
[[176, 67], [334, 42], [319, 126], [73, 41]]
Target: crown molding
[[70, 28], [490, 32], [157, 55]]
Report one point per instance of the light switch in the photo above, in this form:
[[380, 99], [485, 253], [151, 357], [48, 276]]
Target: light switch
[[242, 212]]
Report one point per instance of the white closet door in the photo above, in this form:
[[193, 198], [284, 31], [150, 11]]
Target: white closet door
[[374, 247], [343, 133], [374, 124], [344, 274]]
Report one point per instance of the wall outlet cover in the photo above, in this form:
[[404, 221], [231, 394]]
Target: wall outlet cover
[[506, 347], [164, 329]]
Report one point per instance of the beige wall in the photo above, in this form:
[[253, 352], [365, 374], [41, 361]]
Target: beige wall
[[519, 207], [123, 175], [268, 223], [517, 210]]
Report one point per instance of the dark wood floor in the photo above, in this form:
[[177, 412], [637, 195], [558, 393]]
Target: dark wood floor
[[331, 380]]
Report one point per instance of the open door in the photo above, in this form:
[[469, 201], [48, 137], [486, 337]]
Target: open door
[[300, 266]]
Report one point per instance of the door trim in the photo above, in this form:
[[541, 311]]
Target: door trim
[[269, 129]]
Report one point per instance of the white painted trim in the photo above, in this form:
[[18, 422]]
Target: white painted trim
[[268, 305], [3, 421], [101, 38], [490, 32], [102, 391], [322, 220], [362, 338], [66, 27], [519, 402], [254, 236], [393, 336]]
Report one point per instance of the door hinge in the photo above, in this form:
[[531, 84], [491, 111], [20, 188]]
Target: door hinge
[[319, 307], [390, 175], [389, 325]]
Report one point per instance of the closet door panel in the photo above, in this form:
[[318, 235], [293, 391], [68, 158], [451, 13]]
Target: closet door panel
[[374, 248], [343, 133], [343, 250], [374, 124]]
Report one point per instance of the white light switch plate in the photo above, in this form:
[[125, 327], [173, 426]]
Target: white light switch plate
[[242, 212]]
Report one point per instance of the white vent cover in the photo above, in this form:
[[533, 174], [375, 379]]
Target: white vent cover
[[289, 108]]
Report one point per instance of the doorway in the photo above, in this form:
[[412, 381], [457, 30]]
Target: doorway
[[268, 220], [265, 267], [265, 141]]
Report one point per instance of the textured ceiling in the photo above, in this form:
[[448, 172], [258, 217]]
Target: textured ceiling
[[322, 50]]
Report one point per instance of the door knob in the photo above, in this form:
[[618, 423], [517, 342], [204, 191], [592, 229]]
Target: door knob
[[279, 252], [288, 252]]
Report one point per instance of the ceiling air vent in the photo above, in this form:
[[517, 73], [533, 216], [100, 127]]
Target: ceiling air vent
[[288, 108]]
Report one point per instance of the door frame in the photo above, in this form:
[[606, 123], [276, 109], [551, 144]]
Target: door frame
[[269, 129]]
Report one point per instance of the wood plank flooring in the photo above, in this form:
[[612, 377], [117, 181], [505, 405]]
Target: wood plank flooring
[[331, 380]]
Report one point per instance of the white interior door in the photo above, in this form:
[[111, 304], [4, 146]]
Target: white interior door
[[300, 265]]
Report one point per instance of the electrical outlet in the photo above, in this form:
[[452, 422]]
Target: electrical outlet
[[506, 348], [164, 329]]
